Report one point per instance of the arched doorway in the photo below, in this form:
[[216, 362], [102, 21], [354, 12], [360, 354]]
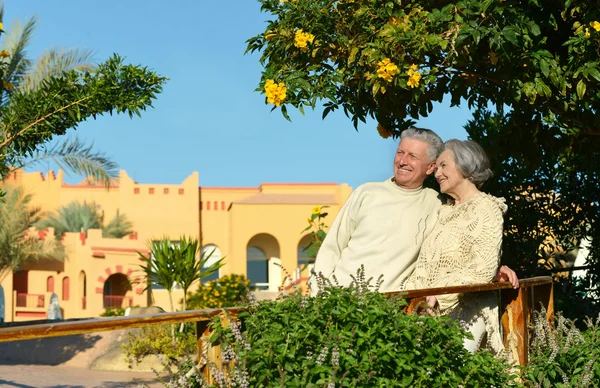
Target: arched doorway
[[262, 262], [215, 255], [116, 288]]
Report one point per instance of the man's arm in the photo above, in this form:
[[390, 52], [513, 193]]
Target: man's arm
[[335, 242]]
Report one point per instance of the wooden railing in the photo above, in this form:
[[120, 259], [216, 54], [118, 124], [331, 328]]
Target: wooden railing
[[30, 300], [519, 303]]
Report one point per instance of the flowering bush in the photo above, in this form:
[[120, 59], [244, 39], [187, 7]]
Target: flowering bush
[[160, 341], [227, 291], [562, 356], [348, 337]]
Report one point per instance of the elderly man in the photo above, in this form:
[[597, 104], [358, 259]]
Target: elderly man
[[383, 224]]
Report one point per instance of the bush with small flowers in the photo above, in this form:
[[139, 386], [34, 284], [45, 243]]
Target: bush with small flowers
[[563, 356], [349, 337]]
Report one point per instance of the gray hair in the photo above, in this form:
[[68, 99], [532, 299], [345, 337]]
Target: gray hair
[[436, 144], [471, 160]]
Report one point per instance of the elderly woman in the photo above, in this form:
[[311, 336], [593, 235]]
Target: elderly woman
[[464, 245]]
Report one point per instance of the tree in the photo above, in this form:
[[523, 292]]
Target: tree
[[17, 245], [24, 74], [30, 117], [79, 217], [529, 71], [176, 263]]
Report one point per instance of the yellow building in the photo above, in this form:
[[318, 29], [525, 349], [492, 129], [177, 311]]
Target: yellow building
[[256, 229]]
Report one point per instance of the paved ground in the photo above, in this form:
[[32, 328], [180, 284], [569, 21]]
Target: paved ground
[[46, 376]]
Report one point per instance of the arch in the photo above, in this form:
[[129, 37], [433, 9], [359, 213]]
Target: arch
[[215, 255], [66, 288], [50, 284], [83, 289], [115, 292], [262, 253], [304, 261]]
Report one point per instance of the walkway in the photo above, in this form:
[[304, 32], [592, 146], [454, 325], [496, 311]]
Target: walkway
[[45, 376]]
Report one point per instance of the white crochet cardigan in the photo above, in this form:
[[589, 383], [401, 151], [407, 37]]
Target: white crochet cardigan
[[464, 248]]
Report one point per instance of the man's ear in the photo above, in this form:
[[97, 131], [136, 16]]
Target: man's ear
[[430, 168]]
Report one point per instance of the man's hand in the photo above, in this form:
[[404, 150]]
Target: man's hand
[[506, 274]]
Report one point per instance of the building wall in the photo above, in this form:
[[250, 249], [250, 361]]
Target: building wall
[[271, 217]]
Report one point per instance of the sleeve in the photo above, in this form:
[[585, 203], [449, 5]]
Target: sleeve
[[336, 240], [482, 259]]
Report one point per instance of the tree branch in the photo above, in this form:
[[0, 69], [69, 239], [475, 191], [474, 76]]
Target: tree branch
[[10, 139]]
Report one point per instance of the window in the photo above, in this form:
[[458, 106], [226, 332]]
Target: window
[[215, 255], [65, 288], [50, 284]]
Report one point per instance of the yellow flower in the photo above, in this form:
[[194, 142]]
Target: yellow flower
[[386, 69], [413, 76], [309, 221], [276, 93], [587, 32], [383, 132], [302, 39], [317, 210], [1, 27], [4, 54], [595, 25]]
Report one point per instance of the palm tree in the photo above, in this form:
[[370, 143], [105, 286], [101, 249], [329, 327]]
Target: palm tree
[[23, 74], [118, 227], [177, 263], [17, 246], [79, 217]]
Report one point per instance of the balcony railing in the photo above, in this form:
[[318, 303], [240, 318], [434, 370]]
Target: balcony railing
[[117, 301], [30, 300]]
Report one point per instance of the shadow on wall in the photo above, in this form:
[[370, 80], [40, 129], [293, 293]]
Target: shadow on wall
[[46, 351]]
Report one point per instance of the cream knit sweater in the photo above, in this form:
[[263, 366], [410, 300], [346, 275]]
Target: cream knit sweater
[[382, 227], [464, 248]]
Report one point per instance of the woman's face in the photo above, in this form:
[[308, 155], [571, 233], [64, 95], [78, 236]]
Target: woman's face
[[447, 174]]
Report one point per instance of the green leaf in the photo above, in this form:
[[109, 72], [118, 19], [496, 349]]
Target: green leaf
[[544, 67], [581, 89], [510, 34]]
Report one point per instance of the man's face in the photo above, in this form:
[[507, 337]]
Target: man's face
[[411, 164]]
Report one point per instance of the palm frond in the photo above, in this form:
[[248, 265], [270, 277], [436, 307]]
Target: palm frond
[[118, 227], [16, 40], [17, 245], [74, 156], [74, 217], [53, 62]]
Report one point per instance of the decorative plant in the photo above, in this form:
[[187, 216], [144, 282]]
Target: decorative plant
[[227, 291], [317, 227], [348, 337]]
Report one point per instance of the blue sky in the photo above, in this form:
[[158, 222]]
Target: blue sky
[[209, 118]]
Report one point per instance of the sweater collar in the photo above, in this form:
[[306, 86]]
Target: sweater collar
[[416, 191]]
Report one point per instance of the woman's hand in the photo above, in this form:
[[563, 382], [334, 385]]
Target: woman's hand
[[432, 305]]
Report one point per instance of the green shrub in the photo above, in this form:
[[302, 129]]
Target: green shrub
[[350, 337], [113, 312], [158, 340], [561, 355], [227, 291]]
